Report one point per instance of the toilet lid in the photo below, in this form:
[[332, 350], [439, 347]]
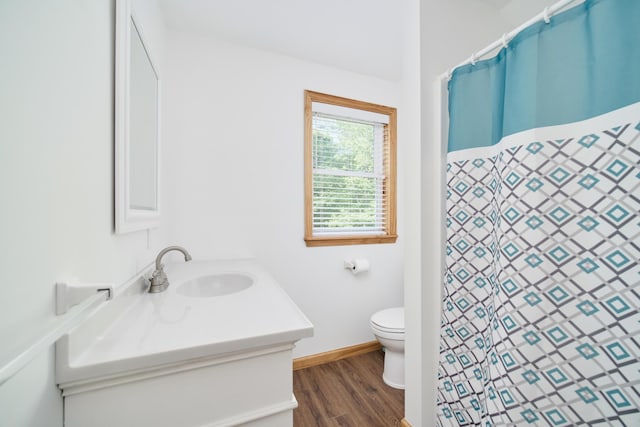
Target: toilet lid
[[391, 319]]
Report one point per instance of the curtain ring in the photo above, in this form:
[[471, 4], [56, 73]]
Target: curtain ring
[[473, 59], [504, 41], [449, 73], [545, 15]]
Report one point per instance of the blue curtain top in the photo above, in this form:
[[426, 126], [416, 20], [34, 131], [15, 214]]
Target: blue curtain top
[[584, 63]]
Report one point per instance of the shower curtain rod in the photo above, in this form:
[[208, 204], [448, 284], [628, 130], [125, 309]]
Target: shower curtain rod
[[545, 15]]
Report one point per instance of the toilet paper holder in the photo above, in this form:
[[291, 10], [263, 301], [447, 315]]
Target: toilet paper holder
[[357, 266]]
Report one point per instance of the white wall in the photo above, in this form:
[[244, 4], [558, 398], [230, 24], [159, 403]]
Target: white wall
[[234, 137], [56, 181], [449, 32], [516, 12]]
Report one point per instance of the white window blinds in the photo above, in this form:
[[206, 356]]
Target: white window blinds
[[348, 171]]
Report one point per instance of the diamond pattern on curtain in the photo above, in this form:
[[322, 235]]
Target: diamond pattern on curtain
[[541, 308]]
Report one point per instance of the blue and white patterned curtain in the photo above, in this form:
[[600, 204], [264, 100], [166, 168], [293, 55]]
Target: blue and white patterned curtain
[[541, 298]]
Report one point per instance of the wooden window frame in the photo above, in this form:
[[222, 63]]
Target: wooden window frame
[[390, 235]]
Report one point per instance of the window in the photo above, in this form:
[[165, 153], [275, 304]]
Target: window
[[350, 171]]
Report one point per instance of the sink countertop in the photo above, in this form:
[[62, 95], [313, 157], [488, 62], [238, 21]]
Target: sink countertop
[[159, 329]]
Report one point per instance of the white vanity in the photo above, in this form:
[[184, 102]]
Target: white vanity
[[214, 349]]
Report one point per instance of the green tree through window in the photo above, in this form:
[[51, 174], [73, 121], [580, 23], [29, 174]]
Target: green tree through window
[[340, 199]]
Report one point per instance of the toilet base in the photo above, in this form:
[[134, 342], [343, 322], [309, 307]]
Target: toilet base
[[393, 374]]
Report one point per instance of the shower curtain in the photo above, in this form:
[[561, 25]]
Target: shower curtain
[[540, 319]]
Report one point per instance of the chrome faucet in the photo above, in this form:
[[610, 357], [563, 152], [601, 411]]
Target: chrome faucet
[[159, 281]]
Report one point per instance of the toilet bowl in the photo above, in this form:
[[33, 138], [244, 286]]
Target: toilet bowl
[[388, 327]]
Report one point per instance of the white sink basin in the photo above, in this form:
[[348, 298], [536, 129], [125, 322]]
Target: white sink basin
[[139, 332], [215, 285]]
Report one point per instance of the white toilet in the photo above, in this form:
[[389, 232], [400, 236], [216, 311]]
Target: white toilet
[[388, 327]]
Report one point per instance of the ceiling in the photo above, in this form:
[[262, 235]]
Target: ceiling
[[497, 4], [362, 36], [357, 35]]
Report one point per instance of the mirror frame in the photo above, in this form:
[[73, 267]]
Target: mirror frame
[[126, 218]]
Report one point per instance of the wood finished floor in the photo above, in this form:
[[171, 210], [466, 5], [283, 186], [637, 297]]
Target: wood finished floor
[[349, 393]]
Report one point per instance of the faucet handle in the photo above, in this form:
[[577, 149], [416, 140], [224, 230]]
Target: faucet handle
[[158, 276], [159, 281], [158, 272]]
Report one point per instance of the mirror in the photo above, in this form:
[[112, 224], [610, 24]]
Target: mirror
[[137, 126]]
